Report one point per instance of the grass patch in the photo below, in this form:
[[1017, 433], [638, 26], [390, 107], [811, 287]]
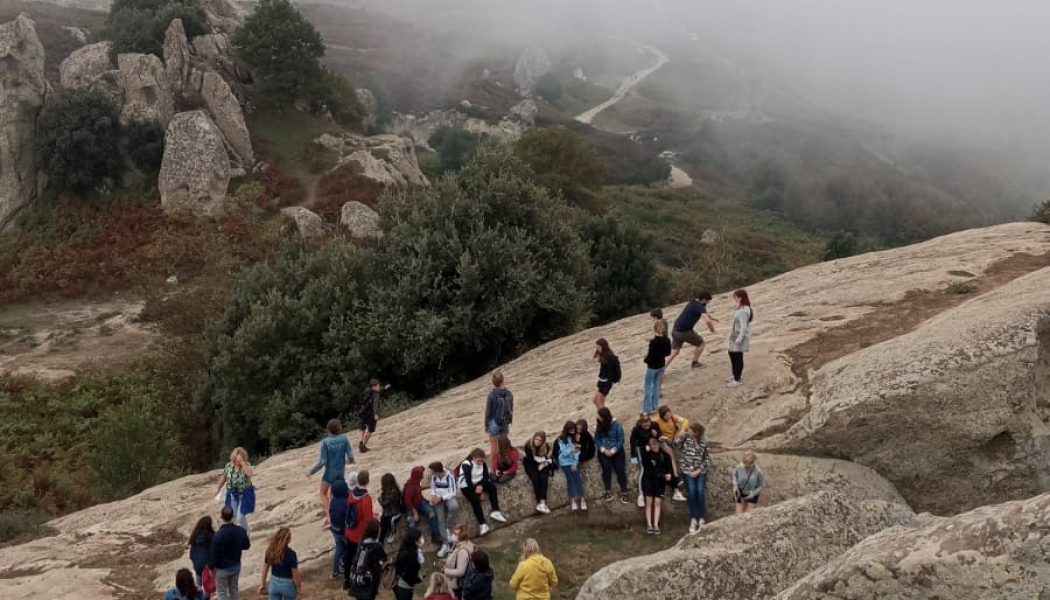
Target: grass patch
[[960, 287]]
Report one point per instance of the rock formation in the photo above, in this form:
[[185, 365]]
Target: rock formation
[[371, 105], [195, 171], [214, 50], [532, 64], [386, 160], [526, 110], [307, 222], [362, 222], [177, 58], [22, 92], [419, 129], [91, 67], [749, 557], [225, 110], [147, 94]]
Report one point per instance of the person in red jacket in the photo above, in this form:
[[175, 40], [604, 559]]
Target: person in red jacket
[[419, 508], [360, 504], [505, 460]]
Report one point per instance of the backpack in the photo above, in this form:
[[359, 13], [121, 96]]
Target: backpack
[[360, 579], [503, 413], [616, 374]]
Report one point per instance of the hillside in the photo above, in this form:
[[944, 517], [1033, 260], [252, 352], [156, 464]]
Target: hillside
[[834, 313]]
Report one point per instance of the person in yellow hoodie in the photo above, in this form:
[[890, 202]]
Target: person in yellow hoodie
[[535, 575], [672, 427]]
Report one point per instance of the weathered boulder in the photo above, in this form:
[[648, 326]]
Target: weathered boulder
[[526, 110], [752, 556], [992, 553], [532, 64], [22, 92], [956, 412], [223, 16], [195, 172], [147, 94], [177, 58], [225, 111], [91, 67], [419, 129], [386, 160], [361, 221], [308, 222], [371, 105], [214, 50]]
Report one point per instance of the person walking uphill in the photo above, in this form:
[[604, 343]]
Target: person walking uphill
[[200, 547], [608, 371], [335, 455], [683, 332], [368, 411], [225, 556], [282, 564], [499, 411], [655, 358], [740, 336], [236, 478], [535, 575], [609, 439]]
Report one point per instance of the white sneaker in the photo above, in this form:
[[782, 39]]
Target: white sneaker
[[679, 496], [485, 530], [498, 516], [734, 383], [700, 523], [443, 551], [575, 506], [641, 501], [542, 508], [692, 526], [730, 378], [583, 504]]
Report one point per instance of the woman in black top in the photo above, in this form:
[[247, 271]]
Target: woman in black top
[[608, 371], [367, 567], [539, 466], [477, 583], [406, 566], [586, 441], [391, 501], [656, 474], [655, 359], [200, 546]]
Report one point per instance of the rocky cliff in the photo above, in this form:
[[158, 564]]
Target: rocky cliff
[[22, 91]]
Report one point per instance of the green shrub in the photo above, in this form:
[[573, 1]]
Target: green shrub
[[332, 92], [139, 25], [549, 87], [144, 143], [283, 49], [454, 146], [841, 245], [77, 141], [130, 450], [563, 164], [1041, 212], [961, 287], [626, 279]]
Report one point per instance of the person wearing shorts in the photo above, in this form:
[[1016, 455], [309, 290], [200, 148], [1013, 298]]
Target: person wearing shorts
[[368, 411], [748, 481], [499, 412], [335, 455], [684, 331]]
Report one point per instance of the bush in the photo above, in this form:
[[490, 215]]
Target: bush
[[144, 143], [1041, 213], [139, 25], [961, 287], [131, 450], [549, 87], [77, 141], [283, 49], [332, 92], [454, 146], [563, 164], [626, 279], [841, 245]]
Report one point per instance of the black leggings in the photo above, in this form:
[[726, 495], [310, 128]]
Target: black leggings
[[617, 463], [475, 502], [386, 526], [348, 562], [737, 360], [539, 480]]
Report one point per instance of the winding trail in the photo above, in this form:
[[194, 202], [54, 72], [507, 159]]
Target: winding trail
[[632, 80]]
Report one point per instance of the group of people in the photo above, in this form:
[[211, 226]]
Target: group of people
[[670, 453]]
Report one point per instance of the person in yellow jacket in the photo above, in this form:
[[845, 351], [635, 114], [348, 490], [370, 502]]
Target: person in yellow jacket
[[535, 575], [672, 427]]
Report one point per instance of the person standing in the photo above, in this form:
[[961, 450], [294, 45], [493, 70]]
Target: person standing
[[659, 350], [359, 513], [477, 583], [672, 427], [695, 311], [200, 547], [740, 336], [748, 481], [225, 555], [282, 564], [335, 455], [608, 371], [407, 564], [539, 466], [535, 575], [438, 588], [696, 457], [459, 559], [185, 588], [236, 478], [392, 503], [367, 568], [609, 438], [475, 480], [337, 510], [368, 411], [418, 507], [640, 434], [499, 411], [569, 461], [443, 499], [655, 478]]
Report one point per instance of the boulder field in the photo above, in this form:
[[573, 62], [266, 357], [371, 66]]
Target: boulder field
[[865, 379]]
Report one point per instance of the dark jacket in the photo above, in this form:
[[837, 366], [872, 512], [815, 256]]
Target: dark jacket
[[337, 506], [369, 407], [499, 407], [392, 504], [657, 465], [532, 466], [375, 556], [609, 370], [477, 585], [407, 565], [226, 546], [200, 551], [640, 438], [413, 490], [587, 446], [659, 350]]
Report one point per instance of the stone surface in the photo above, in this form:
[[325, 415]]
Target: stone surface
[[215, 51], [710, 237], [992, 553], [147, 93], [177, 58], [308, 222], [225, 111], [22, 92], [91, 67], [420, 128], [371, 105], [526, 110], [386, 160], [361, 221], [532, 64], [752, 556], [195, 171]]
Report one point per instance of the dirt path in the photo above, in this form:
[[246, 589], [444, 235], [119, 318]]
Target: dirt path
[[628, 84]]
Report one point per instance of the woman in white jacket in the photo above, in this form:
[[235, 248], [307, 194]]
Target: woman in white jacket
[[740, 336]]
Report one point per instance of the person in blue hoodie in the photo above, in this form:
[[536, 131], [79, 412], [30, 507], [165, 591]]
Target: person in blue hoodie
[[337, 522], [335, 455], [225, 556], [185, 588], [499, 412], [569, 461], [609, 438]]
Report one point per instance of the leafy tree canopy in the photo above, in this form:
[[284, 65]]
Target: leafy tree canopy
[[77, 141], [563, 163]]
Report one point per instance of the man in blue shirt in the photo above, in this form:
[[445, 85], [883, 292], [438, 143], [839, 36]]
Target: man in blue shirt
[[226, 547], [695, 311]]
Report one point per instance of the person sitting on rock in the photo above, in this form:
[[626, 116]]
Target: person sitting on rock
[[475, 480], [568, 452], [505, 461], [656, 476], [609, 439], [748, 481], [539, 466], [418, 507], [672, 427], [584, 439]]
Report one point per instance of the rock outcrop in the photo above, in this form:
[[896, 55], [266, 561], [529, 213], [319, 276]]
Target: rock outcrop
[[91, 67], [526, 110], [214, 50], [371, 105], [992, 553], [225, 110], [177, 58], [147, 94], [386, 160], [749, 557], [195, 172], [361, 221], [22, 92], [419, 129], [307, 222], [532, 64]]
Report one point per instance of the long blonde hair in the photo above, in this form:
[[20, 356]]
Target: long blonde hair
[[235, 452], [438, 585], [530, 547], [277, 546]]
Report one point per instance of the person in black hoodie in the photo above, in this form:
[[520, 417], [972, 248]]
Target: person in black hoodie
[[585, 441], [474, 480], [367, 567], [608, 371], [406, 565], [654, 481], [336, 524], [200, 546], [659, 350], [640, 434], [393, 505], [477, 583], [539, 466]]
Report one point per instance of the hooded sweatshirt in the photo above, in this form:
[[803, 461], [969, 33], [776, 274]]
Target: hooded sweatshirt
[[337, 507], [360, 500], [413, 490], [499, 407], [534, 578]]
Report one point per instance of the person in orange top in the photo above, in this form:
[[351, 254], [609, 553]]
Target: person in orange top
[[672, 427], [360, 503]]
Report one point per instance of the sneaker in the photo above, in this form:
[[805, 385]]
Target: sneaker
[[485, 529], [575, 506], [649, 530], [734, 383], [542, 508], [656, 531], [700, 523], [498, 516], [641, 501], [679, 496], [625, 500], [696, 365], [692, 526], [730, 378], [443, 551], [606, 496], [583, 504]]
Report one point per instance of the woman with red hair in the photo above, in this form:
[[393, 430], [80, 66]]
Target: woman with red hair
[[740, 336]]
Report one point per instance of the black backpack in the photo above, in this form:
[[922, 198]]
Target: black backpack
[[361, 580]]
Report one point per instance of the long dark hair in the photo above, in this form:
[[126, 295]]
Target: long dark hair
[[388, 486], [745, 300], [604, 353], [503, 449], [410, 543], [566, 430], [605, 420], [186, 584], [203, 526]]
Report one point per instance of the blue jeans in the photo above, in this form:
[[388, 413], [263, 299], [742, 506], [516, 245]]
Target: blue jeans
[[426, 511], [240, 519], [696, 488], [574, 481], [282, 588], [337, 555], [651, 396]]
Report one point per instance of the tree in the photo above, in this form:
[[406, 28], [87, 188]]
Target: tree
[[841, 245], [623, 263], [139, 25], [563, 164], [77, 141], [144, 142], [454, 146], [283, 49], [1041, 212], [549, 87]]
